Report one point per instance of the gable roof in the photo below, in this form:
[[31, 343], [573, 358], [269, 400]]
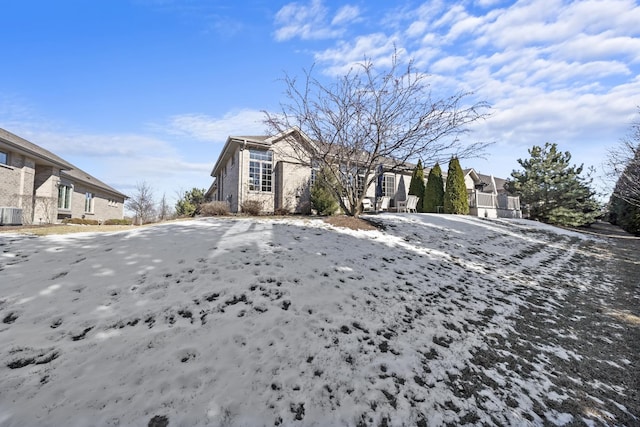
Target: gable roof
[[46, 157], [33, 150], [494, 184], [251, 141], [266, 141]]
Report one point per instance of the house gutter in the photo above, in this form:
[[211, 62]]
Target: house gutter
[[240, 175]]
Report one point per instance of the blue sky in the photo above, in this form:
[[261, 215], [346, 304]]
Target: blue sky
[[149, 90]]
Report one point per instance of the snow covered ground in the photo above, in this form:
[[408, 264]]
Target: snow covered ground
[[250, 322]]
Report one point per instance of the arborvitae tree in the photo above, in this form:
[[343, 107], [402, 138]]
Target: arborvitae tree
[[434, 191], [456, 199], [552, 190], [322, 196], [416, 186], [189, 203]]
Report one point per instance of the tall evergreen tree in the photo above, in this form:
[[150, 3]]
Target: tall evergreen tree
[[434, 191], [456, 199], [554, 191], [416, 186]]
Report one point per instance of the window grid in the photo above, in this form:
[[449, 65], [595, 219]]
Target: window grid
[[260, 171], [4, 158], [64, 197], [388, 185], [88, 202]]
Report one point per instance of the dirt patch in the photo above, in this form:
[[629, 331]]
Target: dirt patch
[[350, 222]]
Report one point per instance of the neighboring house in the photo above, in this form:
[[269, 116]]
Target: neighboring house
[[44, 188], [488, 198], [273, 170]]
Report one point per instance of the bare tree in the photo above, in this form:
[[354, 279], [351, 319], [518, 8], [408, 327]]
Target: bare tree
[[372, 117], [164, 210], [47, 208], [142, 204], [623, 166]]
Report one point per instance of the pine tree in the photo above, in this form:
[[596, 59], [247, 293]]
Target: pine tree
[[554, 191], [189, 203], [434, 191], [456, 199], [416, 186], [322, 197]]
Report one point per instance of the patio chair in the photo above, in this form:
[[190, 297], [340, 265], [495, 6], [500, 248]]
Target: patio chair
[[409, 205], [367, 205], [383, 203]]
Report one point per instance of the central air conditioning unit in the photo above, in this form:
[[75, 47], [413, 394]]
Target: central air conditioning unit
[[10, 216]]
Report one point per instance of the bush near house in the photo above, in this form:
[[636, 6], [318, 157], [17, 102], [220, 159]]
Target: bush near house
[[251, 207], [118, 222], [322, 196], [80, 221], [83, 221], [216, 208]]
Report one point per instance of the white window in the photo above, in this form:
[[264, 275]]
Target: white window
[[315, 171], [389, 185], [64, 196], [260, 170], [4, 158], [88, 202]]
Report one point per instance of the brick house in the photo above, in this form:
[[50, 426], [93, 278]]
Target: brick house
[[274, 171], [41, 187]]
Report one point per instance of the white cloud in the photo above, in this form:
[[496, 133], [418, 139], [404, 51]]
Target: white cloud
[[377, 47], [346, 14], [312, 21], [416, 29], [585, 47], [217, 129], [448, 64]]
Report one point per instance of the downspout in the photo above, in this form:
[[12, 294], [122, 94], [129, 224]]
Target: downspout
[[240, 175]]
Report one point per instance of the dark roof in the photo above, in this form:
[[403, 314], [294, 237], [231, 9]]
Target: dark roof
[[487, 180], [80, 175], [32, 149], [47, 157], [260, 138]]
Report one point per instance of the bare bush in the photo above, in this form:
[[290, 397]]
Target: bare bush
[[252, 207], [214, 208], [282, 211], [116, 221]]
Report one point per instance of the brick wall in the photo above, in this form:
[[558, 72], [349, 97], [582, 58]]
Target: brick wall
[[16, 185]]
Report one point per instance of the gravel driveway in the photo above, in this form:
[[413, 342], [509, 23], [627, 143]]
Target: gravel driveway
[[586, 334]]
